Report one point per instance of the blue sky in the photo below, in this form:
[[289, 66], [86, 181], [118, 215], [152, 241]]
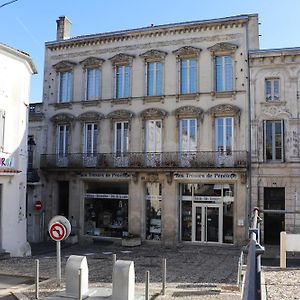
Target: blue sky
[[28, 24]]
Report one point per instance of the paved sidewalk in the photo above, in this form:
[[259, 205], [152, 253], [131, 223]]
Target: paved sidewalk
[[193, 271]]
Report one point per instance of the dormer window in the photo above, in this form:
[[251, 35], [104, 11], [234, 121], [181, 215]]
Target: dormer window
[[272, 89]]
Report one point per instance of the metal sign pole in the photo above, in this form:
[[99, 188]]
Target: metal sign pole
[[58, 254]]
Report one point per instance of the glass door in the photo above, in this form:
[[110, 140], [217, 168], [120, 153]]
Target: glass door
[[207, 223]]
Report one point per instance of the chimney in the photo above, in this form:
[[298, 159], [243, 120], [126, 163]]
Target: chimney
[[63, 28]]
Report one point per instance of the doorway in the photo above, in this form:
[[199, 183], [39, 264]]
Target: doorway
[[207, 223]]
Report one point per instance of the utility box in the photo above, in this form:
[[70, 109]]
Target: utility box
[[123, 280], [74, 264]]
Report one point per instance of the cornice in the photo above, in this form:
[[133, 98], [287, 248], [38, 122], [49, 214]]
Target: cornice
[[121, 114], [187, 51], [153, 113], [62, 118], [64, 65], [189, 110], [150, 32], [92, 62], [121, 58], [90, 116], [154, 54], [223, 47]]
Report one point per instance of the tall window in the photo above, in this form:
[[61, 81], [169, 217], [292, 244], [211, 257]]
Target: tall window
[[122, 81], [272, 89], [92, 83], [273, 140], [90, 138], [223, 73], [154, 78], [224, 134], [153, 136], [188, 135], [2, 129], [62, 147], [121, 138], [188, 76], [65, 87]]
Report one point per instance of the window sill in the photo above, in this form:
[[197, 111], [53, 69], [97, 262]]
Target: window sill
[[191, 96], [277, 102], [149, 99], [62, 105], [226, 94], [121, 101], [90, 102]]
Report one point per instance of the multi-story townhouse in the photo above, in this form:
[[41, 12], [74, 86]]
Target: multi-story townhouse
[[148, 130], [275, 121], [16, 69]]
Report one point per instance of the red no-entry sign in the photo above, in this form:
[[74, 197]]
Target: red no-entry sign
[[57, 232]]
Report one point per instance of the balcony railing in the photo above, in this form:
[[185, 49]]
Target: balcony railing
[[140, 160]]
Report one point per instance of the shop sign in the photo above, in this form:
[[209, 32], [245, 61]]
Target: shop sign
[[107, 196], [6, 162], [207, 198], [106, 175], [206, 176]]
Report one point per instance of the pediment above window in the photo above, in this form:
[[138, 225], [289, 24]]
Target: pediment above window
[[120, 115], [92, 62], [122, 58], [225, 109], [153, 113], [154, 54], [223, 47], [64, 66], [189, 111], [90, 116], [62, 118], [187, 51]]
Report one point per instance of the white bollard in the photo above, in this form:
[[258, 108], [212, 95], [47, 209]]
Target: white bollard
[[74, 264], [37, 278], [282, 249], [123, 280]]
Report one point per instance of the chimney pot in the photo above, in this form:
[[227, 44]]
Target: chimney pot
[[63, 28]]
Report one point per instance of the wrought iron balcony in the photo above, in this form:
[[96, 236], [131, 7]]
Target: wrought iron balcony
[[146, 160]]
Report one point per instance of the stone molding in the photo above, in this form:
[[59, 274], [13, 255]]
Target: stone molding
[[225, 109], [152, 113], [121, 114], [275, 110], [223, 47], [122, 58], [189, 111], [187, 51], [90, 116], [62, 118], [154, 54], [64, 65], [92, 62]]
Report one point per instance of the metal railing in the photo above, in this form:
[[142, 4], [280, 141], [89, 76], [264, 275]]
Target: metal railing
[[252, 281], [137, 160]]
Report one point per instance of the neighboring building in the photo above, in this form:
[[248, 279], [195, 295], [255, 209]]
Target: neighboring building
[[16, 68], [147, 130], [275, 121], [36, 146]]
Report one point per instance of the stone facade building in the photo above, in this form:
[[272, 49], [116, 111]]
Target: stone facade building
[[147, 131], [16, 69], [275, 122]]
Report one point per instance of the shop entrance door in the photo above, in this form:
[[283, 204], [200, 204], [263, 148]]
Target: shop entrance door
[[207, 223]]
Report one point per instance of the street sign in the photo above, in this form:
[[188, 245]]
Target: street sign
[[62, 220], [57, 232], [38, 205]]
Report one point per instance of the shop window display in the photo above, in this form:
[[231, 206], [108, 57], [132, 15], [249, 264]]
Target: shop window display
[[106, 210], [153, 211]]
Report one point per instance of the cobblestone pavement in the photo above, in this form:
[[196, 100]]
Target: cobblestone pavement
[[282, 284], [193, 271]]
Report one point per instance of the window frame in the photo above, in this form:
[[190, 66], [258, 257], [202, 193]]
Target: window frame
[[68, 84], [273, 140], [155, 92], [94, 138], [272, 96], [122, 151], [188, 81], [157, 146], [188, 134], [223, 73], [224, 133], [66, 140], [96, 84]]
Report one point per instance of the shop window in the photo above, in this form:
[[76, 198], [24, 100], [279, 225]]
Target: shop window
[[106, 209], [153, 211]]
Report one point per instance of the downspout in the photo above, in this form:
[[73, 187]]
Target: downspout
[[248, 207]]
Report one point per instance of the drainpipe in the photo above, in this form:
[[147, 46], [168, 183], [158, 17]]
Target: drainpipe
[[248, 172]]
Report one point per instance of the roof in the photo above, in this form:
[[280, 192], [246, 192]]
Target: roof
[[20, 54], [275, 51], [241, 18]]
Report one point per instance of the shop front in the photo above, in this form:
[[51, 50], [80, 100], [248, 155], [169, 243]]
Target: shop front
[[207, 209]]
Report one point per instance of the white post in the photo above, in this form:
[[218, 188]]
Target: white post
[[282, 249], [58, 263], [37, 276], [80, 284], [164, 276]]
